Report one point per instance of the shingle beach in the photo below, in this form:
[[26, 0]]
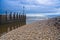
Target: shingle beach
[[39, 30]]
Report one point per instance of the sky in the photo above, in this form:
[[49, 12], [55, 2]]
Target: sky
[[39, 7]]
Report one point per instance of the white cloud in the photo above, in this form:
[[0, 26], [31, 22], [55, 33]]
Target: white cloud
[[41, 14], [58, 10], [48, 2], [52, 14], [37, 2], [35, 15], [45, 2], [32, 5]]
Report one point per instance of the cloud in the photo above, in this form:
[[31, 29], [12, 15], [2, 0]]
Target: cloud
[[42, 14], [58, 10], [48, 2], [35, 15], [31, 6]]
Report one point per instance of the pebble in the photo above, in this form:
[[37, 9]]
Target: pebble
[[34, 31]]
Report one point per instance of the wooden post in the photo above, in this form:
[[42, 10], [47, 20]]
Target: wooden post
[[8, 29], [24, 16], [14, 16], [0, 19], [6, 15], [15, 27], [10, 16], [17, 16], [12, 28]]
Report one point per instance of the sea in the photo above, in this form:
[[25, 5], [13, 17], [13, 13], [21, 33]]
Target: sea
[[31, 19]]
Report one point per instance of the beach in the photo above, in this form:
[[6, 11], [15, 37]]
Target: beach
[[39, 30]]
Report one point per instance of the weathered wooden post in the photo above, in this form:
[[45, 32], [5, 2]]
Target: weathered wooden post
[[10, 16], [20, 19], [12, 27], [25, 19], [6, 15], [17, 16], [14, 16], [15, 27], [0, 19], [24, 16], [8, 29]]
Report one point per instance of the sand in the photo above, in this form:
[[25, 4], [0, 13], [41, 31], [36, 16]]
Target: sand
[[39, 30]]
